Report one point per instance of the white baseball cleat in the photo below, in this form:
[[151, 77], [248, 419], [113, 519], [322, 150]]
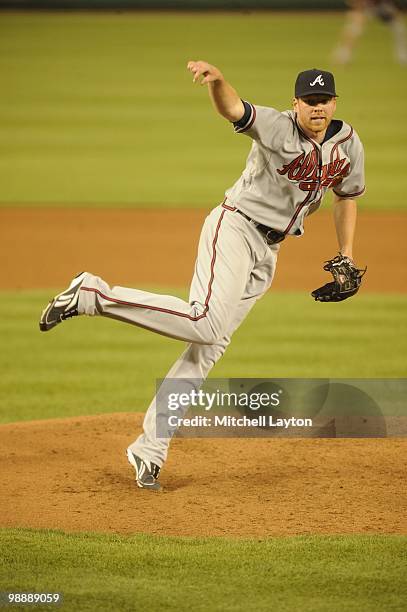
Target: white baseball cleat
[[62, 306], [146, 473]]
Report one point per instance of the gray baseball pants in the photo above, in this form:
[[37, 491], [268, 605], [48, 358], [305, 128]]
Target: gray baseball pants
[[234, 268]]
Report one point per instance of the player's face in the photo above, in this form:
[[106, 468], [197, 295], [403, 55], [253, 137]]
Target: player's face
[[315, 112]]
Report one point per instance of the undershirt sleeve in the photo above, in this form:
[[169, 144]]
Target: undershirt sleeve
[[248, 118]]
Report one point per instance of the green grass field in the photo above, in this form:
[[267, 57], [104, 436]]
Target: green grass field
[[308, 574], [95, 365], [100, 110]]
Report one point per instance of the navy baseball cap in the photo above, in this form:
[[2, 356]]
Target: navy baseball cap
[[314, 82]]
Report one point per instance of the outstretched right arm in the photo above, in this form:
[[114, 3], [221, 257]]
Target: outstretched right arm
[[223, 96]]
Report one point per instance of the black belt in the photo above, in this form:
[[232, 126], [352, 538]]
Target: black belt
[[272, 236]]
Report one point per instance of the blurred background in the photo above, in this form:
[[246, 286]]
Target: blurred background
[[97, 108], [110, 158]]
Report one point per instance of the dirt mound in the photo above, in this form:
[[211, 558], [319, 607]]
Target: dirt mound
[[72, 474]]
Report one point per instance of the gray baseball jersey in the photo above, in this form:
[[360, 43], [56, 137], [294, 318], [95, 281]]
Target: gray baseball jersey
[[287, 173]]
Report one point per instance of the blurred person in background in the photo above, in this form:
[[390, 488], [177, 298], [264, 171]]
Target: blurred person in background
[[357, 17]]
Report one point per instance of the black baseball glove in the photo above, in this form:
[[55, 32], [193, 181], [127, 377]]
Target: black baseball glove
[[347, 280]]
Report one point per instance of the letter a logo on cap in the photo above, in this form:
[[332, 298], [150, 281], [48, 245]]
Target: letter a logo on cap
[[319, 80], [314, 81]]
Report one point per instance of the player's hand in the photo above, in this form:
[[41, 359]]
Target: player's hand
[[204, 71]]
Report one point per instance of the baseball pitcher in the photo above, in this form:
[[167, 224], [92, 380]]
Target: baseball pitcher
[[295, 157]]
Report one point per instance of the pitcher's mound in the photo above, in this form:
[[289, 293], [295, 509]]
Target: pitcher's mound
[[72, 474]]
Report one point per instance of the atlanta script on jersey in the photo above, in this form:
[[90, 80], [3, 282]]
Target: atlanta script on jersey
[[287, 173]]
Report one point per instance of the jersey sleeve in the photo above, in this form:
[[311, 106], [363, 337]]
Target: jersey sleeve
[[353, 185], [262, 123]]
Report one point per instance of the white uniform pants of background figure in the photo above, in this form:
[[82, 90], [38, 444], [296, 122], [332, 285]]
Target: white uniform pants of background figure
[[234, 268]]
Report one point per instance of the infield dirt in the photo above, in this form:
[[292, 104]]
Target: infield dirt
[[46, 247]]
